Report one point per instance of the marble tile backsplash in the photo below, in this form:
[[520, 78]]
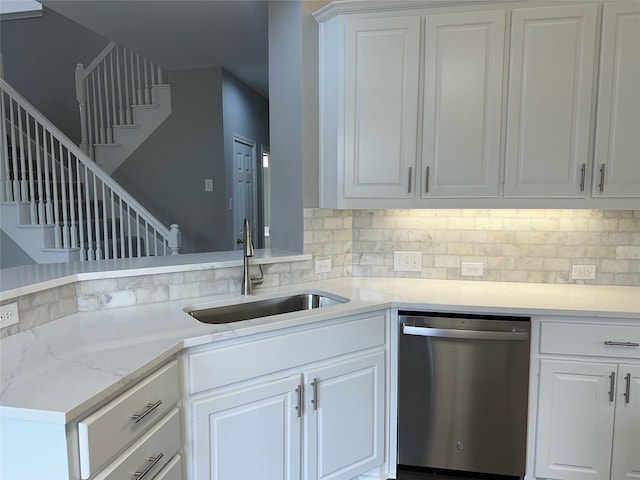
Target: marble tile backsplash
[[538, 246]]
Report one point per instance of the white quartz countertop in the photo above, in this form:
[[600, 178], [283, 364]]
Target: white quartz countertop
[[55, 372]]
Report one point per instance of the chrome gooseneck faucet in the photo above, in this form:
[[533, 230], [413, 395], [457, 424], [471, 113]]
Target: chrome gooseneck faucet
[[247, 281]]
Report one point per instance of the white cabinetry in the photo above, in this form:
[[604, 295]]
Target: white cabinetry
[[589, 402], [381, 64], [617, 153], [305, 404], [550, 101], [462, 111]]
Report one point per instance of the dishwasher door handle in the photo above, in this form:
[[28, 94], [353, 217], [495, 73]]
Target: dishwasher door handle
[[466, 334]]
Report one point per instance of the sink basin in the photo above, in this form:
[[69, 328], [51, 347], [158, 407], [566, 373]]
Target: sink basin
[[265, 308]]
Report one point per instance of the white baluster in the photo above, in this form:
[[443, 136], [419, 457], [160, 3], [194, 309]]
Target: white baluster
[[175, 239], [105, 225], [96, 220], [139, 81], [14, 197], [159, 75], [23, 165], [56, 198], [103, 133], [32, 190], [129, 240], [94, 105], [114, 109], [73, 228], [133, 84], [138, 238], [42, 217], [48, 207], [123, 250], [63, 197], [123, 119], [4, 180], [89, 221], [81, 96], [81, 223], [114, 237]]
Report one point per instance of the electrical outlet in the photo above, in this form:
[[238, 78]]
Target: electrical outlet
[[469, 269], [323, 266], [9, 314], [583, 272], [407, 261], [208, 185]]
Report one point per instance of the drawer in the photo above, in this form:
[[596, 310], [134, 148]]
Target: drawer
[[588, 339], [172, 471], [150, 453], [110, 429], [223, 366]]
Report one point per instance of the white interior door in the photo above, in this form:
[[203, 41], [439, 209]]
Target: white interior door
[[245, 189]]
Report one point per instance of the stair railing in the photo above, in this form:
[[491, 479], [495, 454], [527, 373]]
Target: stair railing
[[108, 89], [65, 189]]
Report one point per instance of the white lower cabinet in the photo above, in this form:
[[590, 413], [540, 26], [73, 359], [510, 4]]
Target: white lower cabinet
[[589, 409], [313, 420]]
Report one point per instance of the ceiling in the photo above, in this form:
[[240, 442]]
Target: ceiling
[[183, 34]]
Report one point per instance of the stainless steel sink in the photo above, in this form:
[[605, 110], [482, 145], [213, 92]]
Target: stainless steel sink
[[264, 308]]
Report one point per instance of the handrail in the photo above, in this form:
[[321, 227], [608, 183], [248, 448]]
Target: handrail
[[48, 154], [101, 56]]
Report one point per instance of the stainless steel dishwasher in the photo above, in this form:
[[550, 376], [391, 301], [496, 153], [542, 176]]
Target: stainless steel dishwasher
[[463, 384]]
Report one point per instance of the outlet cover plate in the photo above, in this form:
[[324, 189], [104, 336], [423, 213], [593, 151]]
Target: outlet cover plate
[[470, 269], [9, 314], [323, 266], [583, 272], [407, 261]]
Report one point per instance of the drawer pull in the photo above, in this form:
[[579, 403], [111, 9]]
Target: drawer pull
[[612, 385], [622, 344], [627, 390], [150, 408], [153, 461]]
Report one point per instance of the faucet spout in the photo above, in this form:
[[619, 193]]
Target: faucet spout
[[247, 283]]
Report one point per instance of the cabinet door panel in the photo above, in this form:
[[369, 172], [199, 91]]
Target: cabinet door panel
[[625, 464], [249, 433], [575, 420], [345, 411], [464, 58], [381, 105], [618, 125], [550, 100]]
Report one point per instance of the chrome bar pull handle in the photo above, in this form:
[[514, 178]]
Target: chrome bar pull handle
[[410, 178], [583, 174], [426, 181], [299, 406], [612, 385], [314, 384], [143, 473], [627, 389], [622, 344], [150, 408], [601, 186]]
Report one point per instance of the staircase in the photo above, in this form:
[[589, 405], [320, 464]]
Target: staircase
[[122, 100], [57, 204]]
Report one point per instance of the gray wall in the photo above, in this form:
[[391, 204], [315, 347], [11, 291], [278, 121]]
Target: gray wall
[[11, 255], [40, 57], [245, 113], [285, 120], [167, 172]]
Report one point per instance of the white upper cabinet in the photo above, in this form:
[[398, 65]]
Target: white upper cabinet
[[463, 76], [617, 153], [381, 107], [550, 101]]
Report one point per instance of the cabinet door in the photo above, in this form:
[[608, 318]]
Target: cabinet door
[[249, 433], [617, 154], [625, 464], [550, 101], [575, 420], [464, 59], [381, 64], [345, 414]]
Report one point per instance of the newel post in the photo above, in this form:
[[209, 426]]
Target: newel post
[[175, 239], [82, 105]]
